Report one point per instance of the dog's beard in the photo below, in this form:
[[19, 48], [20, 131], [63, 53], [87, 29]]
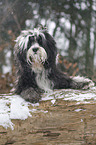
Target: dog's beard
[[36, 57]]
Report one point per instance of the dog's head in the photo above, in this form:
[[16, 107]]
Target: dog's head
[[39, 46]]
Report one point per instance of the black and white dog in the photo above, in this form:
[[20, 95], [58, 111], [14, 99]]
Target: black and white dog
[[36, 71]]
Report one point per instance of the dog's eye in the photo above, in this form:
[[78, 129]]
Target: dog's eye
[[39, 39], [31, 39]]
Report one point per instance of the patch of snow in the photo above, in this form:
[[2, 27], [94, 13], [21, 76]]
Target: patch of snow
[[19, 109], [81, 120], [43, 111], [34, 105], [33, 110], [77, 110], [47, 97], [5, 121], [13, 107], [80, 97], [74, 95], [53, 101]]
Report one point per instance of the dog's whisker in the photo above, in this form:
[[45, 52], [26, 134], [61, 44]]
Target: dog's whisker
[[30, 59], [30, 63]]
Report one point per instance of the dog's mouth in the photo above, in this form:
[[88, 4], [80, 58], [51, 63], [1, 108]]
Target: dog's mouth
[[33, 61], [36, 62]]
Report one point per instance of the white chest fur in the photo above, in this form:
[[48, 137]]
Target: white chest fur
[[43, 82]]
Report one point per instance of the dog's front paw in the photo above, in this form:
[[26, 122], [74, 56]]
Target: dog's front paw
[[31, 95], [82, 83]]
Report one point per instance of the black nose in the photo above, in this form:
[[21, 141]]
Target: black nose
[[35, 49]]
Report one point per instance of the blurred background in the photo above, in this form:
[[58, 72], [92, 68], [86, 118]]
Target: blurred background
[[72, 23]]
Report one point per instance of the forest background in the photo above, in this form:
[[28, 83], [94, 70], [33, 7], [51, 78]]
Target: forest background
[[72, 23]]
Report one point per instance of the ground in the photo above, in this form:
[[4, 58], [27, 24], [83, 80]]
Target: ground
[[58, 120], [62, 122]]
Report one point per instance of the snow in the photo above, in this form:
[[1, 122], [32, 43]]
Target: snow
[[15, 107], [19, 109], [71, 95], [53, 101], [12, 107], [77, 110], [5, 121], [80, 97], [81, 120]]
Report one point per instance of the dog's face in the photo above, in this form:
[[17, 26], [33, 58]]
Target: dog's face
[[40, 48], [36, 56]]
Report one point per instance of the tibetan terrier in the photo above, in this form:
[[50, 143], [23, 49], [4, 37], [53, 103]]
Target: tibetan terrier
[[36, 71]]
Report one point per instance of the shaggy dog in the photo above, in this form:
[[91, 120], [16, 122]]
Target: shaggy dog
[[36, 72]]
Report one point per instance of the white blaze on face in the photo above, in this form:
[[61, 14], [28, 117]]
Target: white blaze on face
[[36, 57]]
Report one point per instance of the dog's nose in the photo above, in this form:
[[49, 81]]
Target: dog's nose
[[35, 49]]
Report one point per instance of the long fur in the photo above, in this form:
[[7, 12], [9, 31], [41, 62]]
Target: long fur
[[36, 71]]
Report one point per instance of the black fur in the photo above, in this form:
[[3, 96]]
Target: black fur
[[26, 84]]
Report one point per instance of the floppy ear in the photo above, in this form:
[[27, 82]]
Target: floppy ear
[[50, 49], [51, 43]]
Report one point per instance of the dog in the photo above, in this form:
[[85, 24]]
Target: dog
[[35, 54]]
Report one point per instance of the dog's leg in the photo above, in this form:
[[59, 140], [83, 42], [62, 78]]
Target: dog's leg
[[79, 85], [61, 81], [31, 95]]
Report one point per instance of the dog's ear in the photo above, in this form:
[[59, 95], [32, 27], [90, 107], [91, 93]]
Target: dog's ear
[[49, 39]]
